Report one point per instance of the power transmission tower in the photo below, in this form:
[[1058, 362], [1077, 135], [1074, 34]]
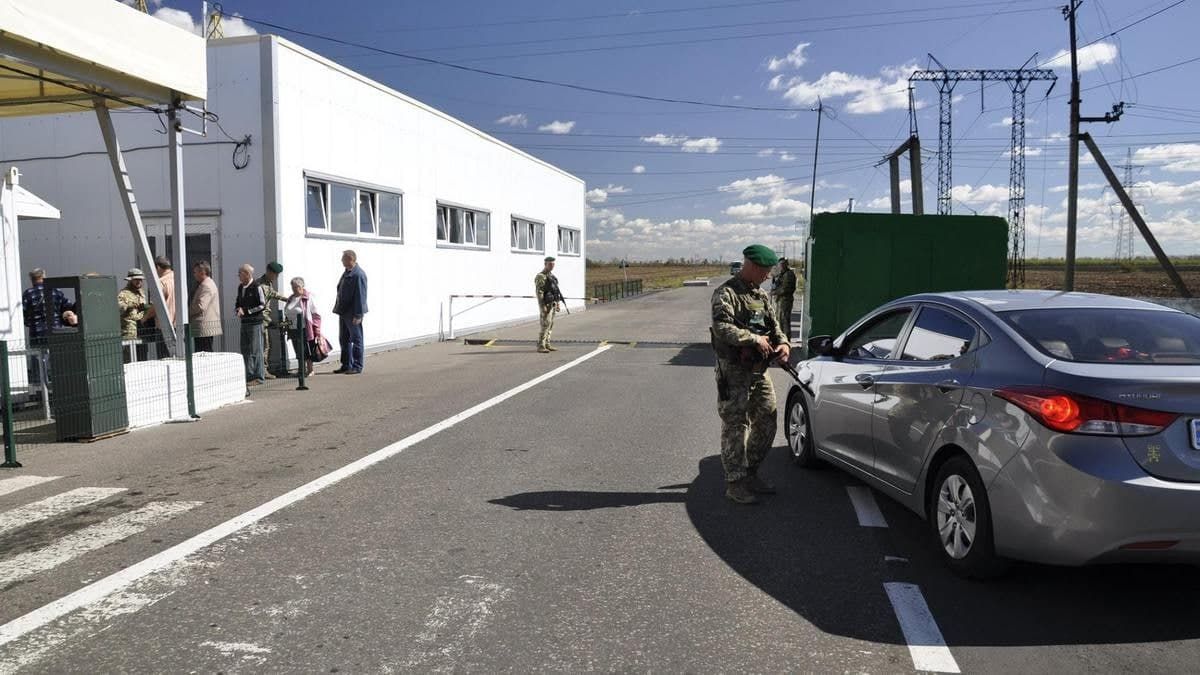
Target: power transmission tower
[[1125, 228], [1018, 81], [140, 5]]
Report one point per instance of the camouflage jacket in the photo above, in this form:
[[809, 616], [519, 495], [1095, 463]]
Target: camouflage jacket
[[271, 294], [133, 306], [740, 313], [539, 285], [785, 283]]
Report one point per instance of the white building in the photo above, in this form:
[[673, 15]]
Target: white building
[[336, 161]]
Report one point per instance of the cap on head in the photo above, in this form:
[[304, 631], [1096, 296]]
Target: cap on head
[[274, 267], [760, 255], [549, 258], [135, 273]]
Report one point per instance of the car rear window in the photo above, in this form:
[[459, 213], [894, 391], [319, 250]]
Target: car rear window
[[1110, 335]]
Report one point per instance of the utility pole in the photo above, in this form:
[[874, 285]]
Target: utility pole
[[812, 195], [1069, 12], [1072, 152]]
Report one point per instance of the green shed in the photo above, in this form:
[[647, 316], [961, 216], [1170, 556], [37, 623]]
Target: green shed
[[859, 261]]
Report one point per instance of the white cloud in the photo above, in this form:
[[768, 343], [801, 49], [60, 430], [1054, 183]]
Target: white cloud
[[557, 127], [1082, 187], [596, 196], [639, 169], [787, 157], [984, 194], [231, 26], [707, 145], [793, 60], [514, 120], [779, 207], [663, 139], [766, 152], [1029, 152], [1090, 57], [612, 235], [769, 185], [1173, 158], [866, 94]]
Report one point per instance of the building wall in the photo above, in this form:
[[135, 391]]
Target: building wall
[[336, 123], [305, 114]]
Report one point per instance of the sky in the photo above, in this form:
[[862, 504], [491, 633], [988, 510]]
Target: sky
[[675, 180]]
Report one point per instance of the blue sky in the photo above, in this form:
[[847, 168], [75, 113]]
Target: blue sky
[[671, 180]]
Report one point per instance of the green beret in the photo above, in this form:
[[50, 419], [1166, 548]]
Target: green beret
[[760, 255], [549, 258], [275, 267]]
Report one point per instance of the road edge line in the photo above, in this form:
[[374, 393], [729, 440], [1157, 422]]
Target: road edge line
[[925, 643]]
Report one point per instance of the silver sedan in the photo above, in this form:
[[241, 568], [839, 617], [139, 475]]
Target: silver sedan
[[1060, 428]]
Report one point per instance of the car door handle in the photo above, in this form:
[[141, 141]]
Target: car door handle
[[865, 380], [947, 386]]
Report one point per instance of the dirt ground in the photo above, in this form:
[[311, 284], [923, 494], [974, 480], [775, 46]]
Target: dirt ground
[[1136, 283]]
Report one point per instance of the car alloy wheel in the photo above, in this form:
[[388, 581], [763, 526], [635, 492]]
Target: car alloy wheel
[[956, 517], [798, 430]]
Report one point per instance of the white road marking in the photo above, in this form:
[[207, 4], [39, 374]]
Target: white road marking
[[54, 506], [894, 558], [15, 483], [244, 651], [455, 620], [99, 590], [865, 506], [89, 539], [925, 643]]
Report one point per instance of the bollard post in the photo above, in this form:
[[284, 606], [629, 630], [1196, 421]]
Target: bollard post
[[10, 441], [189, 351], [301, 354]]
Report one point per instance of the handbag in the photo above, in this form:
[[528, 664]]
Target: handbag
[[319, 348]]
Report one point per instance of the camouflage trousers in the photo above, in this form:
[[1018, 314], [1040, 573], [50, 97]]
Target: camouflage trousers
[[547, 321], [783, 310], [746, 404]]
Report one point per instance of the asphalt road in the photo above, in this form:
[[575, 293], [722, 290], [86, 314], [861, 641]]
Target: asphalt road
[[576, 524]]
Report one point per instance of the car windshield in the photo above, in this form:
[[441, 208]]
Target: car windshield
[[1110, 335]]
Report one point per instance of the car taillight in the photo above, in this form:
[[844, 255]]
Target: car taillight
[[1075, 414]]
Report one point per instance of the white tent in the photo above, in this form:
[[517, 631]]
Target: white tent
[[16, 203], [60, 56]]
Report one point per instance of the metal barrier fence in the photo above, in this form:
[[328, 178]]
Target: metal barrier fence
[[617, 290]]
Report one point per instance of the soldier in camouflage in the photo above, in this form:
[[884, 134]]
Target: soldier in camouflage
[[783, 290], [746, 337], [267, 283], [548, 297]]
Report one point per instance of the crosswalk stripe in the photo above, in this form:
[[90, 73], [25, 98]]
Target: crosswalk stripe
[[54, 506], [15, 483], [89, 539]]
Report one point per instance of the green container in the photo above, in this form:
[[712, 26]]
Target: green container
[[87, 371], [859, 261]]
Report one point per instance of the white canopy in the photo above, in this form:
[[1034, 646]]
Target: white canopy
[[90, 47], [30, 205]]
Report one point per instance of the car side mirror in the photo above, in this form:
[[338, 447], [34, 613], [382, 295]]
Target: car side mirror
[[821, 345]]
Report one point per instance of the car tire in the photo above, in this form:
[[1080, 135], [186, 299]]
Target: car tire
[[960, 519], [798, 430]]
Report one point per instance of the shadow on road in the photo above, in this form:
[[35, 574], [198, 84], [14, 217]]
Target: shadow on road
[[804, 548], [694, 355], [578, 500]]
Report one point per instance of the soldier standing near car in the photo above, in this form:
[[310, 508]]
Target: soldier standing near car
[[783, 290], [548, 296], [747, 338]]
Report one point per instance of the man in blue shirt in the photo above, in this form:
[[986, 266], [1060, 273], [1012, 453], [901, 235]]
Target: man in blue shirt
[[350, 307], [40, 319]]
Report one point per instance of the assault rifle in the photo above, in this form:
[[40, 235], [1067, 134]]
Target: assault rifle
[[551, 293]]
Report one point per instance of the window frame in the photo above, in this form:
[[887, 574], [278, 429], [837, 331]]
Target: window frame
[[462, 209], [519, 225], [979, 339], [578, 236], [326, 183], [871, 320]]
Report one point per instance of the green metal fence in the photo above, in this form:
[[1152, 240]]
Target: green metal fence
[[617, 290]]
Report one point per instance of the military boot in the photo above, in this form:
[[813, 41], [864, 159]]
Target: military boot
[[542, 349], [739, 491], [760, 485], [551, 347]]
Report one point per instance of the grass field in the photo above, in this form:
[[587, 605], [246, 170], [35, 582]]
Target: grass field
[[1140, 281], [653, 275]]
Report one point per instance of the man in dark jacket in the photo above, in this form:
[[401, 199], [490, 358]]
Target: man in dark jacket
[[249, 305], [350, 307]]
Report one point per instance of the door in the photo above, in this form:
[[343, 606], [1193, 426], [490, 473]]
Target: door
[[201, 242], [845, 397], [918, 394]]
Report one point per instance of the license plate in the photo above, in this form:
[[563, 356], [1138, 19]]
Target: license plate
[[1196, 434]]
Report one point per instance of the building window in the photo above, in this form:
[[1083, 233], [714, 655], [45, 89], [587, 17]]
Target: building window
[[568, 241], [528, 236], [344, 209], [460, 226], [317, 200]]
